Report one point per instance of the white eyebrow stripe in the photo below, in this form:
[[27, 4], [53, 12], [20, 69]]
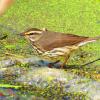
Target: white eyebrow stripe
[[36, 32]]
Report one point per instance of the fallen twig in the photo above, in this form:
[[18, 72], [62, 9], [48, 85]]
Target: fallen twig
[[90, 62]]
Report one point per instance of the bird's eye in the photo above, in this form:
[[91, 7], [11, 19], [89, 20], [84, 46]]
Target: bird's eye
[[31, 34]]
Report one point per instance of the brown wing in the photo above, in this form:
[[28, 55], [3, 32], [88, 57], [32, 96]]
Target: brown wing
[[51, 40]]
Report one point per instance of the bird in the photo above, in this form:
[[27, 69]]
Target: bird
[[55, 46]]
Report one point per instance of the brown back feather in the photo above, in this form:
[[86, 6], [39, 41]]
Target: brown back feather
[[51, 40]]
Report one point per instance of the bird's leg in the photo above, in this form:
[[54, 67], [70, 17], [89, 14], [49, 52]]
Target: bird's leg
[[65, 61], [53, 63]]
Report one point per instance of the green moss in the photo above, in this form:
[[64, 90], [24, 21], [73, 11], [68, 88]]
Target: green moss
[[54, 91]]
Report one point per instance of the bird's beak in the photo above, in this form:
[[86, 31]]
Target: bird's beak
[[22, 34]]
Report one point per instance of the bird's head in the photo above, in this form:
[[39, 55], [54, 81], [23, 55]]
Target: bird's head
[[33, 34]]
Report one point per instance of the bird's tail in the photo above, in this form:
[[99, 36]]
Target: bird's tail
[[89, 40]]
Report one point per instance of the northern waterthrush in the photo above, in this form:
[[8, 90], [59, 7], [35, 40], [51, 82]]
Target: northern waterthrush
[[55, 46]]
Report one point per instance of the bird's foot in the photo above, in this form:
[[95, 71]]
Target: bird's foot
[[53, 64], [56, 64], [50, 65], [63, 66]]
